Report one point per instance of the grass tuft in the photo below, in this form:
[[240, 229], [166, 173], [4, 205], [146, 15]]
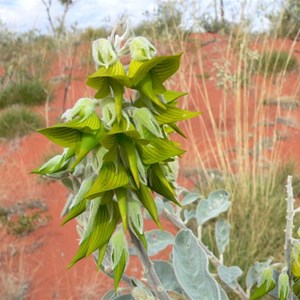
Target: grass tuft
[[275, 62], [29, 93], [17, 121]]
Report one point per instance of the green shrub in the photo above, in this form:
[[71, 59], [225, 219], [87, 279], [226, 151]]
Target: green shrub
[[17, 121], [28, 93], [277, 62]]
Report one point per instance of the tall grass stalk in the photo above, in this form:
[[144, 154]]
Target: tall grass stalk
[[231, 137]]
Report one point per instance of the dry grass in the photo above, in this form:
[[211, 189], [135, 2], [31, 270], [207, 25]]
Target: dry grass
[[14, 276], [238, 134]]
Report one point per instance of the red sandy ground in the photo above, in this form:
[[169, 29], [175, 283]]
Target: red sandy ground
[[44, 254]]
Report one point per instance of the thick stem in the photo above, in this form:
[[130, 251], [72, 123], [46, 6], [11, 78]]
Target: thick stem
[[212, 258], [152, 277], [290, 213]]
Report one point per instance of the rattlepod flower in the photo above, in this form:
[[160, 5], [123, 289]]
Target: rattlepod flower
[[141, 49], [104, 53]]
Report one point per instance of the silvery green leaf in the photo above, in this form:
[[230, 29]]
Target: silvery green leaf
[[109, 295], [222, 233], [140, 293], [124, 297], [217, 203], [169, 207], [189, 214], [166, 274], [190, 198], [160, 204], [158, 240], [251, 278], [191, 268], [229, 275], [223, 294]]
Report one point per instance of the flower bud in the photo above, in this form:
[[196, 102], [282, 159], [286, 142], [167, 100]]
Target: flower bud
[[141, 49], [103, 53], [267, 277], [283, 285], [82, 108]]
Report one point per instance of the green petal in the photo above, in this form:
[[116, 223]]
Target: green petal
[[161, 67], [159, 150], [88, 124], [75, 211], [131, 156], [159, 183], [103, 226], [87, 143], [122, 203], [144, 195], [110, 178], [119, 270], [174, 114], [171, 96], [98, 80], [146, 86], [62, 136], [126, 127]]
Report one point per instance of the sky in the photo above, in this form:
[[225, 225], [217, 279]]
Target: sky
[[24, 15]]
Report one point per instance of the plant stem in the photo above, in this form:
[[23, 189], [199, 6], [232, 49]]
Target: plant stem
[[290, 213], [212, 258], [154, 281]]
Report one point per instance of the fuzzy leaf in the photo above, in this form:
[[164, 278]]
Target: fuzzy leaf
[[166, 274], [222, 233], [217, 203], [110, 178], [191, 198], [191, 268], [158, 240], [229, 275]]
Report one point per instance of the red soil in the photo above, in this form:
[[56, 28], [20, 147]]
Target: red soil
[[45, 253]]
